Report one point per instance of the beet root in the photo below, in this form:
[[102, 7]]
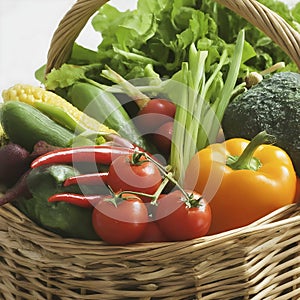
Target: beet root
[[14, 162]]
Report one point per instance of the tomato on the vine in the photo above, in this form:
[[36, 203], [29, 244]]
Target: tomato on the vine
[[120, 221], [134, 173], [162, 138], [180, 218], [155, 113], [152, 233]]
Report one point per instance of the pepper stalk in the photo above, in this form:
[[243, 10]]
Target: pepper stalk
[[246, 161]]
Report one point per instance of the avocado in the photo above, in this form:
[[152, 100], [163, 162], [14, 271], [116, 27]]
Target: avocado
[[272, 105]]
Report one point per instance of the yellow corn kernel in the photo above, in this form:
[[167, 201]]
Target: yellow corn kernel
[[30, 94]]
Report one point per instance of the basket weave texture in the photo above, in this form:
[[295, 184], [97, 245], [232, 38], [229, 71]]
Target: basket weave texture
[[259, 261]]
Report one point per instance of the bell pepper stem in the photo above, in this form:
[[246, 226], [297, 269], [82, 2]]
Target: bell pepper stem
[[246, 160]]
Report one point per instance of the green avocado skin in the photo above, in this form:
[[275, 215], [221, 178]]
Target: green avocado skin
[[272, 105], [63, 218]]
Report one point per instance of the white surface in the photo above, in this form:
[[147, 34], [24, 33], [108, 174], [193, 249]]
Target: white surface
[[26, 29]]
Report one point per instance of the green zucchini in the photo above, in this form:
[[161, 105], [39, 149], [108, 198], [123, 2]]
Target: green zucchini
[[106, 108], [26, 125]]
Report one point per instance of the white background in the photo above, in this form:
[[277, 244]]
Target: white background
[[26, 29]]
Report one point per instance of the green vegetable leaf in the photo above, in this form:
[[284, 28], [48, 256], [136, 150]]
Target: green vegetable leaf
[[107, 19], [296, 15], [65, 76], [40, 74], [83, 56], [160, 32]]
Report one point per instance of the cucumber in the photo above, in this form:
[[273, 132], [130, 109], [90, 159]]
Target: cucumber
[[26, 125], [106, 108]]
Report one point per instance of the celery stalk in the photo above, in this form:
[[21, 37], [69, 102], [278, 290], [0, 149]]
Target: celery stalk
[[177, 145], [230, 82], [198, 118]]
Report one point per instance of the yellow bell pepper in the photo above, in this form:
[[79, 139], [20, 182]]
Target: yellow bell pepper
[[242, 180]]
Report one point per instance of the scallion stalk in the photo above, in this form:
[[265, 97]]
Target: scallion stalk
[[198, 118]]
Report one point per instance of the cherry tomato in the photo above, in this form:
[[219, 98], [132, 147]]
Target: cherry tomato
[[152, 233], [122, 222], [162, 138], [180, 220], [134, 173], [155, 113]]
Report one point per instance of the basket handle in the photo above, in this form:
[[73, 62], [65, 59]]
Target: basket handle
[[269, 23], [254, 12], [68, 30]]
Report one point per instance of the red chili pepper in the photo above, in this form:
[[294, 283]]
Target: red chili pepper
[[80, 200], [87, 179], [100, 154]]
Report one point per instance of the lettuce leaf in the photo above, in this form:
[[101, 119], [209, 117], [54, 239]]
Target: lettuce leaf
[[160, 32]]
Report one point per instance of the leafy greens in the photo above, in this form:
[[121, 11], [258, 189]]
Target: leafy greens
[[160, 32]]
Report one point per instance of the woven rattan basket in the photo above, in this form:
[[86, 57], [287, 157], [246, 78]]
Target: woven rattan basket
[[260, 261]]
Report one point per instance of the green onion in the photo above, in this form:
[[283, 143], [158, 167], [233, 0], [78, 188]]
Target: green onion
[[198, 117]]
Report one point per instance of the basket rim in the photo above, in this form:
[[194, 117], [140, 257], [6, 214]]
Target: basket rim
[[281, 218]]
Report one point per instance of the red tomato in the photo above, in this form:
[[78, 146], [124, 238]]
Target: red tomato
[[178, 221], [152, 233], [154, 114], [121, 223], [128, 174], [162, 138]]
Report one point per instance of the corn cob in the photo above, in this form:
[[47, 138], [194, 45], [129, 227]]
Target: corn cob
[[30, 94]]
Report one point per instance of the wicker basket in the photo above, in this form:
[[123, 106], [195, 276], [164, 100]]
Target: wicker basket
[[260, 261]]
